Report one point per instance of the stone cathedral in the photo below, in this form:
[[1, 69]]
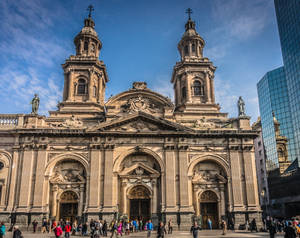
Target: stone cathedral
[[136, 155]]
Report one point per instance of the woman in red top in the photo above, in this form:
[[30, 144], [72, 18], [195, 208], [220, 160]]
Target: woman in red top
[[57, 231], [68, 229]]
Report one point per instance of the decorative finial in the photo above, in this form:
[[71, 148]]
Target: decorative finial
[[189, 11], [90, 9]]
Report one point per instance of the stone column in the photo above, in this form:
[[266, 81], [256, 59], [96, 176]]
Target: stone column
[[95, 178], [108, 209], [170, 180], [90, 85], [70, 86], [39, 179], [188, 88], [208, 89], [212, 89], [12, 187], [54, 201], [186, 210], [26, 180], [80, 206], [125, 208], [238, 205], [251, 180], [154, 197], [222, 196]]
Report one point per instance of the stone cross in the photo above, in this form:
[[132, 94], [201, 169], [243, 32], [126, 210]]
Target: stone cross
[[189, 11], [90, 9]]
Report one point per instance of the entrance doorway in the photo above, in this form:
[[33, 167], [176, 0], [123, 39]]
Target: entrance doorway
[[140, 209], [68, 209], [209, 209], [139, 203]]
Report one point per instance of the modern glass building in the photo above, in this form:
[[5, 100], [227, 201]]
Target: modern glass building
[[288, 20], [279, 89], [273, 97]]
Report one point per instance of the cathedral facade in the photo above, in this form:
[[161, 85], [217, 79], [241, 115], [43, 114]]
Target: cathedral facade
[[136, 155]]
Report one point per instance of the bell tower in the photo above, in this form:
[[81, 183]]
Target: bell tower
[[193, 76], [85, 75]]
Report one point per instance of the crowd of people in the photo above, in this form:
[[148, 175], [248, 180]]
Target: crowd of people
[[118, 228], [290, 228]]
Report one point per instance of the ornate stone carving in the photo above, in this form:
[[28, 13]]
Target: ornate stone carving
[[204, 123], [73, 122], [68, 172], [139, 192], [69, 196], [208, 196], [139, 85], [140, 103]]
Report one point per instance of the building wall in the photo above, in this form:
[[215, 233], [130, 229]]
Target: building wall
[[288, 20], [273, 97]]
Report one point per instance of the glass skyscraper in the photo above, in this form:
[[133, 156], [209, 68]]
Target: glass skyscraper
[[279, 89], [288, 20], [273, 97]]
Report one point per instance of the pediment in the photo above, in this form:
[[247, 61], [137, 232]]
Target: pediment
[[141, 122], [138, 170]]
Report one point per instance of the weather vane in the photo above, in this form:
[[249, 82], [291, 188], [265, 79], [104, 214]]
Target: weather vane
[[90, 9], [189, 12]]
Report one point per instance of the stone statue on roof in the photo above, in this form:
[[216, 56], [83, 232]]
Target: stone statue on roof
[[35, 104], [241, 107]]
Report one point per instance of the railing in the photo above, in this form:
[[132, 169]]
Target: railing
[[9, 120]]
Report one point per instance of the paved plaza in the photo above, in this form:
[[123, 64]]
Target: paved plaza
[[182, 234]]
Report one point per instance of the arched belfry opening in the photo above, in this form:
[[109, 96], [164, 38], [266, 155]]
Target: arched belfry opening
[[140, 186], [210, 192], [67, 190]]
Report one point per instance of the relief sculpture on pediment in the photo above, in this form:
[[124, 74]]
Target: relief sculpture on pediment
[[139, 103]]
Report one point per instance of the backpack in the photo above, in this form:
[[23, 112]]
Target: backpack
[[57, 231]]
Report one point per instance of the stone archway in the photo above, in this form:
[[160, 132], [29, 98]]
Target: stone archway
[[209, 209], [139, 178], [68, 206], [67, 175], [139, 199], [210, 193]]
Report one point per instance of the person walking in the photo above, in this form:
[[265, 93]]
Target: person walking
[[104, 228], [170, 227], [44, 225], [209, 223], [194, 230], [58, 231], [113, 229], [149, 228], [290, 232], [253, 225], [17, 233], [2, 230], [161, 230], [224, 227], [34, 225], [272, 230], [68, 229]]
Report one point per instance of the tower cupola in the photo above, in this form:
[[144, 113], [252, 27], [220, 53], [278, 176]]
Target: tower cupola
[[191, 44], [87, 42]]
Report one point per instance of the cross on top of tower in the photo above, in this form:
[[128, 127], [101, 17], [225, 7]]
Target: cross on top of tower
[[189, 11], [90, 9]]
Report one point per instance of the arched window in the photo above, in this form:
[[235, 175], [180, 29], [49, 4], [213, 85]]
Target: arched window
[[280, 153], [186, 50], [198, 88], [193, 48], [86, 45], [183, 93], [81, 88]]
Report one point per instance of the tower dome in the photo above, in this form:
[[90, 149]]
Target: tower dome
[[87, 42], [191, 44]]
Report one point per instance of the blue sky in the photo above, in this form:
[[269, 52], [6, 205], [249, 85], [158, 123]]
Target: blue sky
[[139, 44]]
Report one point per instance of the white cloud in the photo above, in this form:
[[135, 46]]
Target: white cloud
[[163, 86]]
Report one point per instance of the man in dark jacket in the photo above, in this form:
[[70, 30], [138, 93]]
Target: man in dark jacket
[[161, 230], [272, 229], [17, 233], [194, 230], [290, 232]]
